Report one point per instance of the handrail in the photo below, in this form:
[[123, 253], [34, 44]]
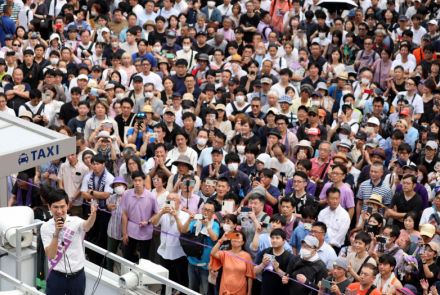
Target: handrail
[[167, 282], [20, 285]]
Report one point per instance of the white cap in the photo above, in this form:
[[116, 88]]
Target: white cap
[[432, 144], [263, 158], [54, 36], [374, 120], [82, 77], [433, 22]]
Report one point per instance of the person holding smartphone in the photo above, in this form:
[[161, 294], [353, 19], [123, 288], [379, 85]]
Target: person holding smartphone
[[337, 282]]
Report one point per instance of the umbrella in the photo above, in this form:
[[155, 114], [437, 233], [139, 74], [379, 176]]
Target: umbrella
[[340, 5]]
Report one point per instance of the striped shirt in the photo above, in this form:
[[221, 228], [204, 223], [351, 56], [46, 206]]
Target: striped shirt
[[114, 229], [15, 10], [367, 188]]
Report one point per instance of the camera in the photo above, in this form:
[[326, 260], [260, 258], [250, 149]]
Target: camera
[[381, 240], [372, 229]]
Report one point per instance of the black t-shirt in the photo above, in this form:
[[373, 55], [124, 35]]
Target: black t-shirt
[[249, 21], [124, 123], [414, 204], [68, 112], [34, 197], [271, 282]]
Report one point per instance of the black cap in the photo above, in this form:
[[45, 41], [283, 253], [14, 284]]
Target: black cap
[[361, 135], [8, 37], [96, 68], [201, 33], [217, 150], [177, 94], [275, 132], [10, 53], [181, 62], [137, 79], [234, 80]]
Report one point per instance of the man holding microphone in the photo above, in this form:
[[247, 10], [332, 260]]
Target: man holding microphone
[[63, 238]]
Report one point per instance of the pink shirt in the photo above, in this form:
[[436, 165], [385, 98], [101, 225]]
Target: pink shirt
[[139, 209]]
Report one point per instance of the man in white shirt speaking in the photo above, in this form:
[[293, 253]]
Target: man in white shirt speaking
[[62, 238]]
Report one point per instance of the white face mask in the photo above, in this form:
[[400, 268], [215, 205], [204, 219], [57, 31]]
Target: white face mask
[[202, 141], [115, 44], [211, 4], [157, 49], [119, 190], [233, 167], [46, 98], [93, 13], [119, 95], [316, 103], [344, 92], [305, 254], [321, 36], [240, 99], [149, 95], [369, 130], [186, 48], [365, 81], [240, 149], [54, 60], [260, 51], [227, 228]]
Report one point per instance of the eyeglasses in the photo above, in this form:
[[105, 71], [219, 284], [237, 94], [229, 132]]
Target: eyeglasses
[[16, 45], [255, 106], [207, 210]]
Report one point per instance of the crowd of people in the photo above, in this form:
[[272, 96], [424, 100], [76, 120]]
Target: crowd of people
[[299, 143]]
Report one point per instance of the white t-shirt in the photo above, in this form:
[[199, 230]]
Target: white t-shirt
[[153, 78], [8, 111], [415, 100], [170, 247], [72, 235]]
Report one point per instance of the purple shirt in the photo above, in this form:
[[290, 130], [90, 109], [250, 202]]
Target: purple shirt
[[192, 204], [139, 209], [347, 196]]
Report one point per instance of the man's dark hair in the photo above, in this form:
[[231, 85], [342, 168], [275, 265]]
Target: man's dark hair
[[75, 90], [388, 259], [321, 225], [232, 158], [35, 93], [301, 174], [278, 232], [267, 173], [127, 100], [395, 230], [137, 174], [288, 200], [278, 218], [332, 190], [56, 195]]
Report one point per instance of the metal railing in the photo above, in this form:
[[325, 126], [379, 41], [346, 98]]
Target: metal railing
[[167, 282], [19, 285]]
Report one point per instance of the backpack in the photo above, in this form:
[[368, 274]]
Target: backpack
[[235, 111], [192, 245]]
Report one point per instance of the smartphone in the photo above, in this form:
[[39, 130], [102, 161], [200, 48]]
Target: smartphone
[[60, 219], [153, 136], [94, 92], [264, 225], [414, 239], [245, 209], [369, 210], [228, 206], [198, 216], [169, 56], [272, 257], [170, 204], [231, 236], [326, 284]]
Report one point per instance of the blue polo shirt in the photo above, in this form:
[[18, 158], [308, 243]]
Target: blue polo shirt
[[204, 260]]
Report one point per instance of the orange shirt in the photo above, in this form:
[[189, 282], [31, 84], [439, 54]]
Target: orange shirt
[[355, 289], [237, 268], [419, 55]]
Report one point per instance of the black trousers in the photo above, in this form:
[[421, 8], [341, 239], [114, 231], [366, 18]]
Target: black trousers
[[178, 269], [129, 250], [98, 236], [58, 283]]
